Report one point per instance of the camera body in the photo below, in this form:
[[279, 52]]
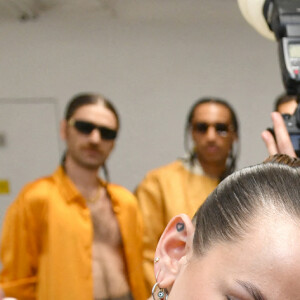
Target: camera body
[[283, 18], [292, 125], [294, 132]]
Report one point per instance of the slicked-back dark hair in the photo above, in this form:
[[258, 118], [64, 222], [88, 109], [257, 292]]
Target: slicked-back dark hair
[[229, 210], [214, 100], [88, 98]]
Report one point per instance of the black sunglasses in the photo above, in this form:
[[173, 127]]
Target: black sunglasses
[[222, 129], [87, 127]]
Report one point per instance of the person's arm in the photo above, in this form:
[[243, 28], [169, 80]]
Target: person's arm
[[283, 143], [19, 248]]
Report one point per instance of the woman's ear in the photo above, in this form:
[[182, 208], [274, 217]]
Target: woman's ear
[[172, 249]]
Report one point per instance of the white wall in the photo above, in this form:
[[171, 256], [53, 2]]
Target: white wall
[[153, 67], [23, 158]]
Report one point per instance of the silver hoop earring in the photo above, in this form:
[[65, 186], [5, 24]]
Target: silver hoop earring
[[161, 294]]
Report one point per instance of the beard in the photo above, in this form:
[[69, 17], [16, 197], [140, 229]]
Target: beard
[[88, 157], [216, 157]]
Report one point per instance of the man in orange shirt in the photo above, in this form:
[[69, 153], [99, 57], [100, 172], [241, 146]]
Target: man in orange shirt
[[73, 235], [182, 185]]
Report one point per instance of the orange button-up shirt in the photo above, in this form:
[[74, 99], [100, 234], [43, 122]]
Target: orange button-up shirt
[[47, 236], [164, 193]]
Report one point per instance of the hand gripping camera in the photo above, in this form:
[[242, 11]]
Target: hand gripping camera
[[281, 19]]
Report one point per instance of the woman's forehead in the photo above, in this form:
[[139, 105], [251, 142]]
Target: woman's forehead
[[267, 256]]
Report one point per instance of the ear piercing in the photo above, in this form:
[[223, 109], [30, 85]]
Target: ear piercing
[[180, 226], [162, 294], [156, 259]]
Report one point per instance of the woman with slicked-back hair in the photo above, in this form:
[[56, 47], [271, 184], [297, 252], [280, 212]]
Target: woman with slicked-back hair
[[243, 242]]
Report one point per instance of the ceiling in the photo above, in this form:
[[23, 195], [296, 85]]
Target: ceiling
[[130, 9]]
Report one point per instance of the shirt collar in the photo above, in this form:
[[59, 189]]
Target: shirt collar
[[68, 188], [192, 165]]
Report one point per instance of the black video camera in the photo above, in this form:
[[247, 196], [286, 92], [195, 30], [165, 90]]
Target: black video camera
[[283, 18], [293, 129]]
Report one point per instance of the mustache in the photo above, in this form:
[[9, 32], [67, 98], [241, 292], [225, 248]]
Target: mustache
[[211, 144], [91, 146]]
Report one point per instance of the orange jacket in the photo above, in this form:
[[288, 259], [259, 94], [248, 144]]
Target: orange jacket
[[47, 237]]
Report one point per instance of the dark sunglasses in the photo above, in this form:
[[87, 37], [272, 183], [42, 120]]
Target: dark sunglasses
[[87, 127], [222, 129]]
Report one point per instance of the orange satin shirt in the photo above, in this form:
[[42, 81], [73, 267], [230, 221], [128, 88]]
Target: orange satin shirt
[[47, 236], [164, 193]]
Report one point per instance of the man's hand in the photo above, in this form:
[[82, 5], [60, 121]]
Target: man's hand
[[284, 144]]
